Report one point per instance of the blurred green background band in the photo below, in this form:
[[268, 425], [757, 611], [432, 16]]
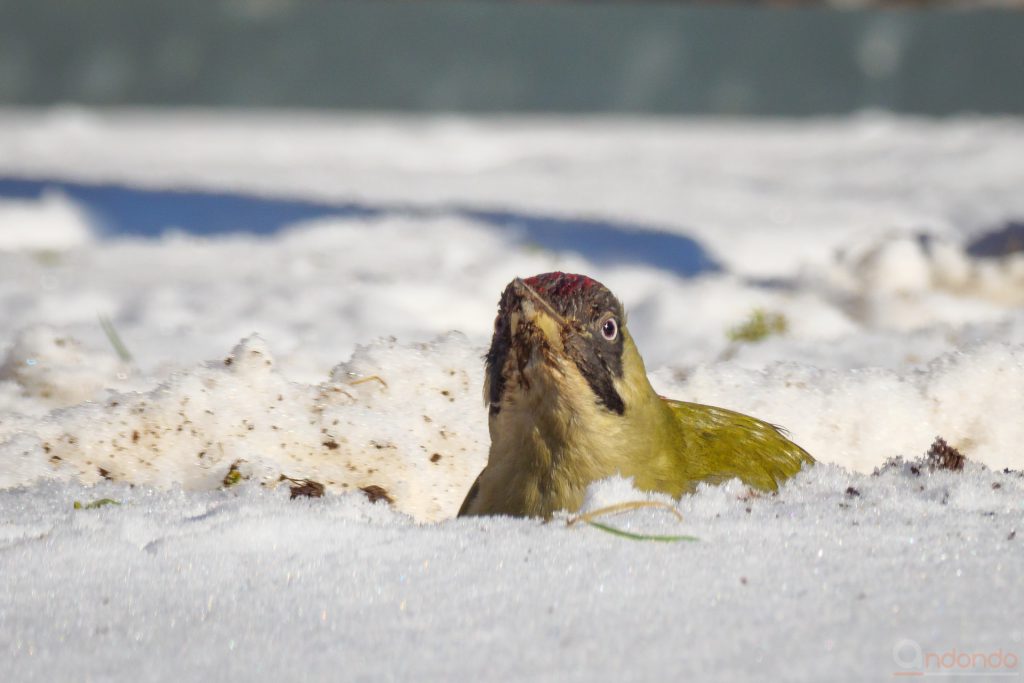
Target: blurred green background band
[[511, 57]]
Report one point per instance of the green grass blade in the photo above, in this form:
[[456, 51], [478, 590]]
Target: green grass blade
[[115, 339]]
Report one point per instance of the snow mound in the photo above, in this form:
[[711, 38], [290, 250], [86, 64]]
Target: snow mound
[[51, 223], [860, 418], [403, 422], [391, 423], [57, 369], [907, 282]]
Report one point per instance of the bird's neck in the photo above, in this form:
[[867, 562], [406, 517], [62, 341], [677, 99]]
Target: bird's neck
[[551, 442], [543, 445]]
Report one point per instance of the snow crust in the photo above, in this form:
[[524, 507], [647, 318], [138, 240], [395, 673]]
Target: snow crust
[[347, 353]]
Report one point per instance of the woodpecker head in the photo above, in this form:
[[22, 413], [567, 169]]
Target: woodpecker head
[[558, 333]]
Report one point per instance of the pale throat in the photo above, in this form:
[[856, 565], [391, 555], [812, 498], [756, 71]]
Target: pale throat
[[551, 422]]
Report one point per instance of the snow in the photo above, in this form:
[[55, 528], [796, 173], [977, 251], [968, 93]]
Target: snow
[[347, 350], [815, 584], [53, 223]]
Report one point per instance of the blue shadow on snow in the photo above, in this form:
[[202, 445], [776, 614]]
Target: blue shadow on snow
[[144, 212]]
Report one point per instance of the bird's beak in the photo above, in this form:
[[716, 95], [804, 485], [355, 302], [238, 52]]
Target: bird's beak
[[535, 310]]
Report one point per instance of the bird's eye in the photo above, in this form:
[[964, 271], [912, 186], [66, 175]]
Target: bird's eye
[[610, 329]]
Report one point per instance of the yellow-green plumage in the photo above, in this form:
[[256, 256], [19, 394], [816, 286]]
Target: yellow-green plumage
[[570, 408], [722, 444]]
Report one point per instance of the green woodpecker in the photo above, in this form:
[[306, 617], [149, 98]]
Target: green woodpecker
[[570, 403]]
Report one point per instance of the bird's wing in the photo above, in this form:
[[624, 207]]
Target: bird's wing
[[722, 444]]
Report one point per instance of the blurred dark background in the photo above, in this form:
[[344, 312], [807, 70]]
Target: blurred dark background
[[744, 59]]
